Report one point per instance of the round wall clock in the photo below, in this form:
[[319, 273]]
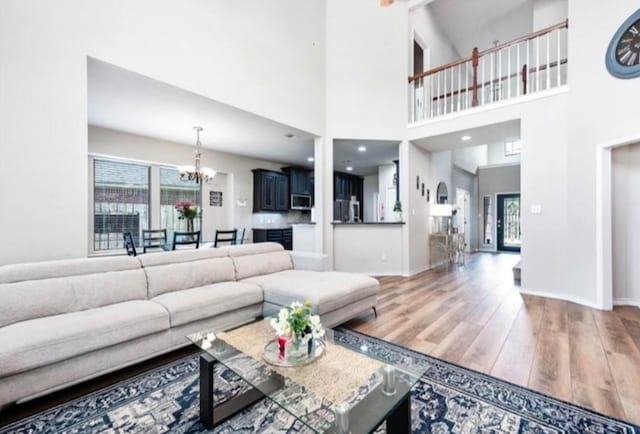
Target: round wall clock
[[623, 54]]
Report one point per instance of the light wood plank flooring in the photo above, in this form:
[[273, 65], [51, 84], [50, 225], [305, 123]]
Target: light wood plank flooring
[[474, 316]]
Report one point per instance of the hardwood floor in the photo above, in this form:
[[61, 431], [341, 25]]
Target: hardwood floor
[[474, 316]]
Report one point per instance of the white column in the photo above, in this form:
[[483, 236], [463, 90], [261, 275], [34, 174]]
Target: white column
[[322, 173]]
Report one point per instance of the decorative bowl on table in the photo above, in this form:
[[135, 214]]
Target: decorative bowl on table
[[290, 359]]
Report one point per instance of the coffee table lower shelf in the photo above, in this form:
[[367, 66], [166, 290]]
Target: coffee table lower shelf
[[398, 417]]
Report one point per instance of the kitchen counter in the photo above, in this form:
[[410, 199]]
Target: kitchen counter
[[368, 248]]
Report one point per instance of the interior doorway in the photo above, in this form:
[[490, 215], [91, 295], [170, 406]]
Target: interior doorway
[[508, 222], [463, 216]]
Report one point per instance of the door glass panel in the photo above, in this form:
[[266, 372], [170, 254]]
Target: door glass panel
[[511, 219], [487, 214]]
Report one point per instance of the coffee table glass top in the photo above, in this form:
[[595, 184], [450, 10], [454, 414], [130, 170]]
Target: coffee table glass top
[[358, 384]]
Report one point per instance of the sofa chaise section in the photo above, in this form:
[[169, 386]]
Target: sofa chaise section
[[289, 276]]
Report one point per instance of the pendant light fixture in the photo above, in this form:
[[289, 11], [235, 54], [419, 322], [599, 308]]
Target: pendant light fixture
[[201, 175]]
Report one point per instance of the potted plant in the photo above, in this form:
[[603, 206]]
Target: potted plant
[[397, 208], [187, 211], [295, 326]]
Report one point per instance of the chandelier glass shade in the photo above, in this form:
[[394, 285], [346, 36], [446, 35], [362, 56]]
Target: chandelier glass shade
[[201, 175]]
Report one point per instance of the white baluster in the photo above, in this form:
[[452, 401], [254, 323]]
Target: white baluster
[[528, 69], [438, 97], [537, 63], [483, 87], [459, 87], [466, 86], [424, 97], [452, 107], [509, 72], [431, 96], [412, 86], [548, 60], [559, 58], [518, 70], [444, 108], [500, 75]]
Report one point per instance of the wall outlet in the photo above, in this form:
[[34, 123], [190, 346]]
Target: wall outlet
[[536, 209], [384, 257]]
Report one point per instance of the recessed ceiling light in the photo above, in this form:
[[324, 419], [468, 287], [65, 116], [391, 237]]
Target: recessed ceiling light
[[310, 159], [349, 168], [465, 138], [290, 136], [362, 149]]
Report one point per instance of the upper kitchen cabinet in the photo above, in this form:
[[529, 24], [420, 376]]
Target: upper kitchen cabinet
[[270, 191], [300, 180], [345, 186]]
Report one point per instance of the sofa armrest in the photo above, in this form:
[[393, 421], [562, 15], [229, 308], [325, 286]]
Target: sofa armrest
[[310, 261]]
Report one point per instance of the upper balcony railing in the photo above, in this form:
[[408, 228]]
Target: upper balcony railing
[[529, 64]]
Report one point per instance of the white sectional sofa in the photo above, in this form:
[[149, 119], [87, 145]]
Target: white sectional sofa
[[63, 322]]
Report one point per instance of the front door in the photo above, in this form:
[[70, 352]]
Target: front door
[[508, 223]]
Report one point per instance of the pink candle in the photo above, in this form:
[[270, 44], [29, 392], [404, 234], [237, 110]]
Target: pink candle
[[282, 343]]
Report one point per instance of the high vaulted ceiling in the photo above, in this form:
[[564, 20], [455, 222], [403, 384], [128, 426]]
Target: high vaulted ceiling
[[126, 101], [477, 23]]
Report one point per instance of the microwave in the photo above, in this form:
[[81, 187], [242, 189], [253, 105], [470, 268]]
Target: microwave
[[301, 201]]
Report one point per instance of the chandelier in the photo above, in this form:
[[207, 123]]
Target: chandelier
[[196, 173]]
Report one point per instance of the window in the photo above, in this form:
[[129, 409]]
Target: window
[[120, 203], [512, 148], [172, 191]]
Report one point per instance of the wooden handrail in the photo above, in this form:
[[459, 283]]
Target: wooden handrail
[[564, 24]]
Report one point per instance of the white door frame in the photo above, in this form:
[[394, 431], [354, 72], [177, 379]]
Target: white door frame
[[604, 228], [466, 217]]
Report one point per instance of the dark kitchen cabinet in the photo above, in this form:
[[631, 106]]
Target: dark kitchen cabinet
[[280, 236], [300, 180], [345, 186], [270, 191]]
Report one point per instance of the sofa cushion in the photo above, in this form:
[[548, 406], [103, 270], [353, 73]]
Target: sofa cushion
[[261, 264], [29, 344], [63, 268], [327, 291], [31, 299], [177, 256], [251, 249], [185, 275], [208, 301]]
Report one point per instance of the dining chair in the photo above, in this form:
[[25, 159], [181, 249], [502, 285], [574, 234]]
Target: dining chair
[[153, 239], [129, 244], [240, 236], [186, 239], [225, 237]]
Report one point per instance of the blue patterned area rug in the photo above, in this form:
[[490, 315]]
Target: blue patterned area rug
[[448, 399]]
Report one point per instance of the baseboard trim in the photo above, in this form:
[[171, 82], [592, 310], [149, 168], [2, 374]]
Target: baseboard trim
[[570, 298], [418, 270], [626, 302]]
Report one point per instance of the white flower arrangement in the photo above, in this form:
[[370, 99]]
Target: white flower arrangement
[[296, 320]]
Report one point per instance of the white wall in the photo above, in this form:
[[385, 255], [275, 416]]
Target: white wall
[[366, 70], [425, 24], [236, 169], [420, 164], [546, 13], [544, 181], [496, 155], [600, 110], [626, 215], [370, 190], [470, 158], [247, 54]]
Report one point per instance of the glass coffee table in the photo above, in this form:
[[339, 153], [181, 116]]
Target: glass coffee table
[[346, 390]]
